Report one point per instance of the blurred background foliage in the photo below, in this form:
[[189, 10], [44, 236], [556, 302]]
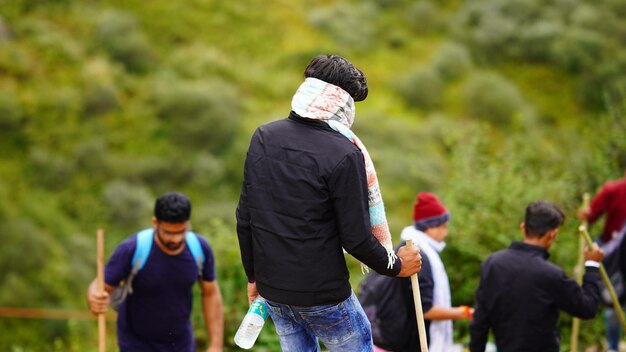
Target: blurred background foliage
[[105, 104]]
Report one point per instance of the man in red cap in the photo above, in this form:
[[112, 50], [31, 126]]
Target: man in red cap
[[428, 232], [387, 315]]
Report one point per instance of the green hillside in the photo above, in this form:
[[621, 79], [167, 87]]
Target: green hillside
[[106, 104]]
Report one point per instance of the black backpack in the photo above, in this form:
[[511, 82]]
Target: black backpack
[[384, 302]]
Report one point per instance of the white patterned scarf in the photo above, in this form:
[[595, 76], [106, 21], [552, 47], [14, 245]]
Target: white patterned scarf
[[319, 100], [440, 331]]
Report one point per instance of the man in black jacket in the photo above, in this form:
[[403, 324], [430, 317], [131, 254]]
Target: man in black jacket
[[520, 293], [306, 195]]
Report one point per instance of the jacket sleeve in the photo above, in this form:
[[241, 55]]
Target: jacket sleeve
[[479, 327], [579, 301], [348, 192], [598, 204], [244, 233]]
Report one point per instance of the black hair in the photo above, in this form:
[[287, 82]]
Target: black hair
[[172, 207], [541, 217], [336, 70]]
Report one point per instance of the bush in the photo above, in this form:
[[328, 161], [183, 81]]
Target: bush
[[339, 23], [199, 114], [50, 170], [11, 113], [54, 46], [483, 26], [535, 42], [577, 50], [199, 61], [100, 92], [121, 38], [491, 97], [422, 88], [129, 205], [15, 61], [452, 60], [424, 17], [5, 32]]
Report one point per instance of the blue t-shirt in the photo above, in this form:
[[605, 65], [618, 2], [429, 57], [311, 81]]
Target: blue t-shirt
[[156, 316]]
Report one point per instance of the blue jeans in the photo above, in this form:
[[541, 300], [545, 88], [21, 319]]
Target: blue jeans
[[613, 328], [341, 327]]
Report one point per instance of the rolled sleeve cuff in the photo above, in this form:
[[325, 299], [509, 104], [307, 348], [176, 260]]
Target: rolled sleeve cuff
[[592, 263]]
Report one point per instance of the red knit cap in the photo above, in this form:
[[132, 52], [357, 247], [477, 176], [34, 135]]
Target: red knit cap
[[428, 211]]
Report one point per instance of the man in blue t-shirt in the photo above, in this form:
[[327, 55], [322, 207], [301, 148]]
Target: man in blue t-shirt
[[156, 316]]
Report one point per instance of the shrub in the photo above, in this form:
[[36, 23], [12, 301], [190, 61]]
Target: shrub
[[207, 170], [339, 23], [577, 50], [100, 92], [15, 60], [536, 40], [422, 88], [199, 61], [452, 60], [129, 205], [121, 38], [493, 98], [424, 17], [199, 114], [11, 113], [49, 169]]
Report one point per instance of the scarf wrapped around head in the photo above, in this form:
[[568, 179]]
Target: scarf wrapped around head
[[319, 100]]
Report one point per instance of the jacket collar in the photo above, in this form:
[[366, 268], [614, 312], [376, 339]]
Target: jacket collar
[[531, 249], [311, 122]]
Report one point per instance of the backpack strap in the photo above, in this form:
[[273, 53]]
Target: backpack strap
[[142, 251], [192, 241]]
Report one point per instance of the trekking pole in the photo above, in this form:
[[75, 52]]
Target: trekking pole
[[579, 277], [607, 282], [417, 299], [100, 286]]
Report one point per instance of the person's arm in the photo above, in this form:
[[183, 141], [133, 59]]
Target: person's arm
[[349, 194], [116, 270], [598, 205], [252, 292], [213, 314], [448, 313], [479, 327], [582, 301]]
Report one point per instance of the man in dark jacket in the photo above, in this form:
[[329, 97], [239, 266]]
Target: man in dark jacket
[[520, 293], [306, 195]]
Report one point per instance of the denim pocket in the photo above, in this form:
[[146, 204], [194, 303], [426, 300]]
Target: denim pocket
[[330, 323], [282, 321]]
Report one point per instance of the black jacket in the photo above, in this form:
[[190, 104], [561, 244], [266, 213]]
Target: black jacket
[[520, 295], [304, 197]]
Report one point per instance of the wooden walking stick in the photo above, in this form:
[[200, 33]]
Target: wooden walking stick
[[605, 277], [579, 276], [417, 299], [100, 286]]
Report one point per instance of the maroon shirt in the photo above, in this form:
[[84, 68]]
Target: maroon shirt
[[610, 200]]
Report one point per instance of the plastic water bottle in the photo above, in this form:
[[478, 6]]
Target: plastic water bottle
[[252, 324]]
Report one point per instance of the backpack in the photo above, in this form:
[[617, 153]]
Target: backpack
[[140, 256], [612, 264], [384, 303]]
